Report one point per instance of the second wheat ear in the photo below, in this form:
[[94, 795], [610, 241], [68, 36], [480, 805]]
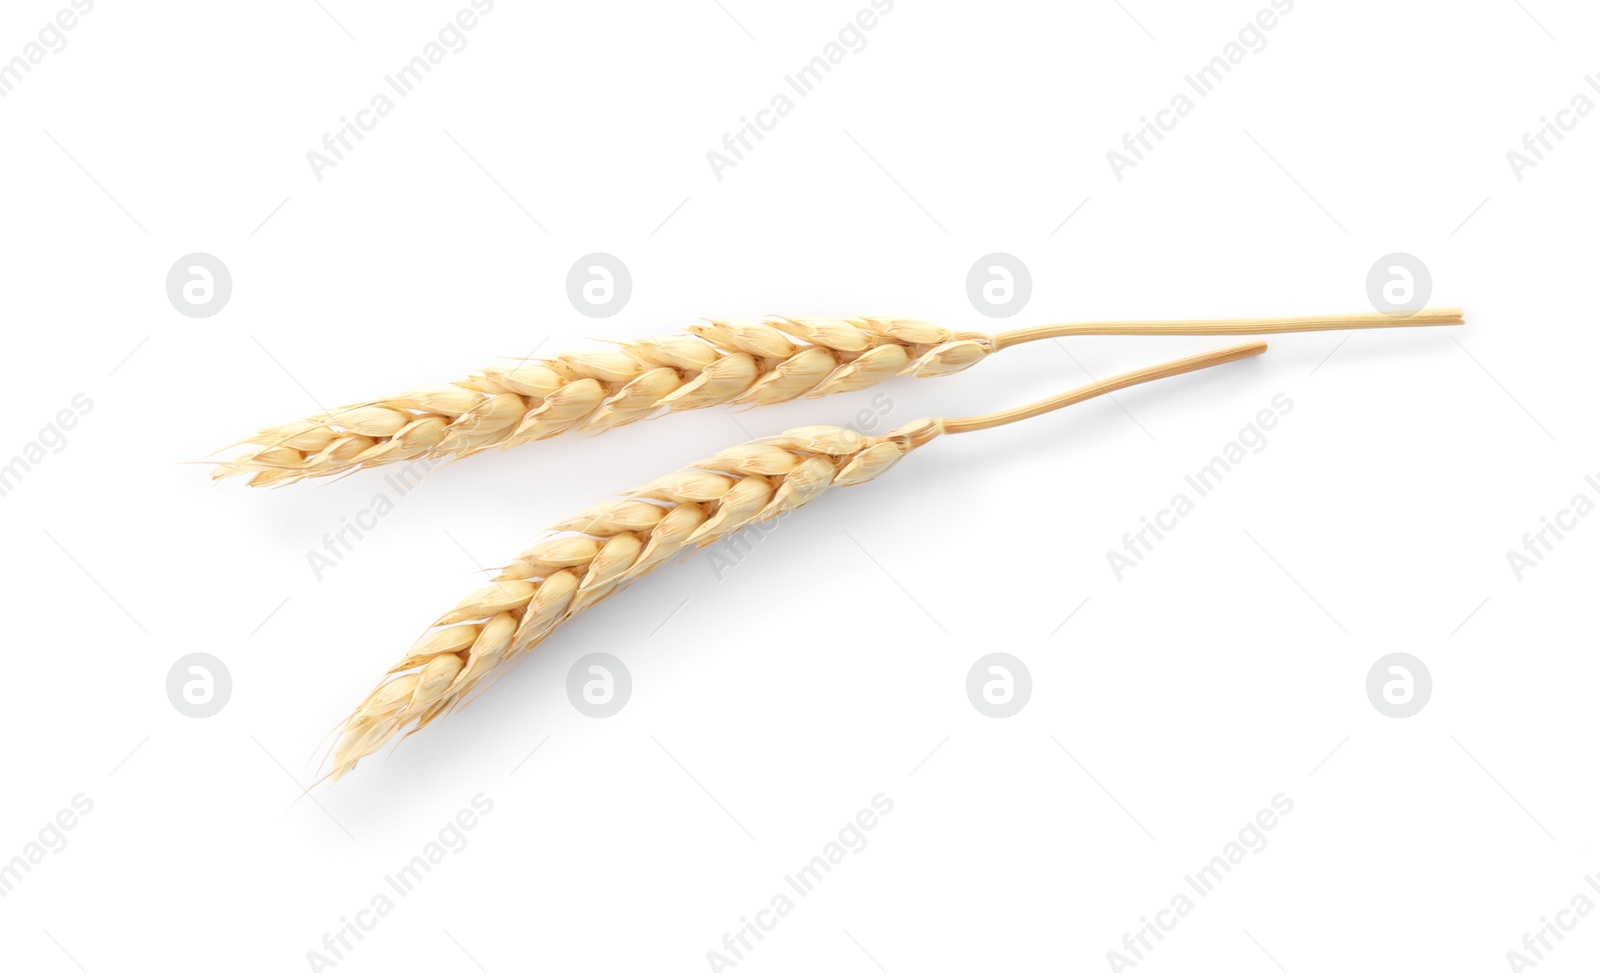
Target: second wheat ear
[[717, 363], [596, 553]]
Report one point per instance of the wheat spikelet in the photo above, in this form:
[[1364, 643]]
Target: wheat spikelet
[[596, 553], [716, 363]]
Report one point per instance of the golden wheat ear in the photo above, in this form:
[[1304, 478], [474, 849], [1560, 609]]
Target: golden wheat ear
[[715, 363], [592, 555]]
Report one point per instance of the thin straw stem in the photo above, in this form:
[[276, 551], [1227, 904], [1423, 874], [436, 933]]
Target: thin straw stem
[[1191, 364], [1323, 322]]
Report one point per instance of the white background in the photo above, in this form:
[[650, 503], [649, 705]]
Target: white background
[[830, 666]]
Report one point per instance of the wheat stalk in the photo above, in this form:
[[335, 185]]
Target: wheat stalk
[[596, 553], [716, 363]]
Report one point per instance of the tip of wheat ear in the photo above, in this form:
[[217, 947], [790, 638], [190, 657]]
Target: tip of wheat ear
[[592, 555]]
